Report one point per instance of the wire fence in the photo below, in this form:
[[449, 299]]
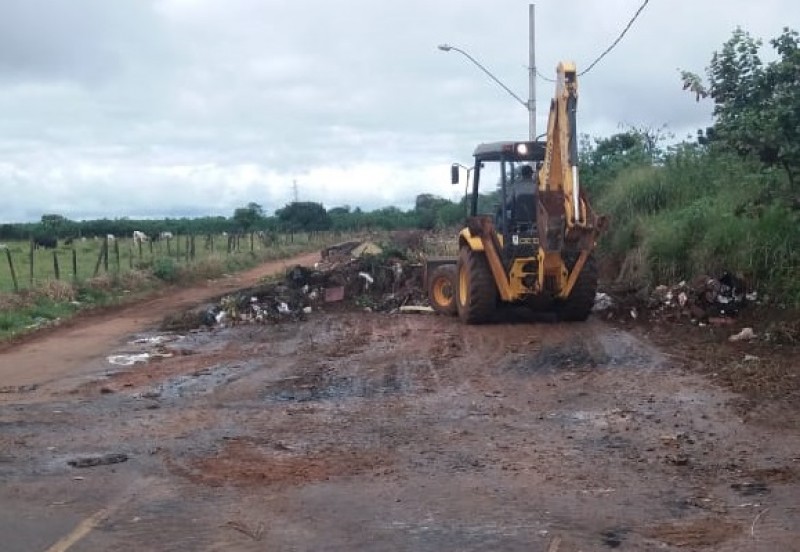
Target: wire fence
[[26, 265]]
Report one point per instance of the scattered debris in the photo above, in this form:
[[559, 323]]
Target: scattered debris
[[419, 309], [129, 359], [254, 534], [702, 300], [156, 339], [747, 334], [602, 302], [366, 248], [91, 461], [332, 295], [363, 275]]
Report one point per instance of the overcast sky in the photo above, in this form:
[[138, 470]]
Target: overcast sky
[[150, 108]]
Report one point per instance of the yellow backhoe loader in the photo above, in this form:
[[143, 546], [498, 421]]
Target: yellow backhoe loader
[[536, 247]]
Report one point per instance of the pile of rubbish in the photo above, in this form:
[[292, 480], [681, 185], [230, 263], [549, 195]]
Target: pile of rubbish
[[702, 300], [360, 275]]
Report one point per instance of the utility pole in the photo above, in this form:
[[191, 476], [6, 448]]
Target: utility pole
[[532, 72]]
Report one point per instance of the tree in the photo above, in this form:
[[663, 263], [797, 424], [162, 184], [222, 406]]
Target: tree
[[54, 225], [427, 207], [602, 160], [756, 105], [304, 215], [248, 218]]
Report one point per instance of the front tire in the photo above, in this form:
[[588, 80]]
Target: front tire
[[578, 306], [477, 293]]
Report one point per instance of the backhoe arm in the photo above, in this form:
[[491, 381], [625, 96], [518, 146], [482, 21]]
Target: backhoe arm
[[563, 209]]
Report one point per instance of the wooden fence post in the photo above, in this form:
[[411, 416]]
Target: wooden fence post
[[11, 268], [169, 247], [193, 249], [116, 254], [74, 264], [130, 255], [30, 270], [100, 258], [105, 255], [187, 248], [55, 265], [252, 244]]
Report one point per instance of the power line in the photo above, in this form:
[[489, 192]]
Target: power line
[[548, 79], [613, 44]]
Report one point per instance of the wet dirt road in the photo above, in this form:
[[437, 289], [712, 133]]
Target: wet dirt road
[[389, 432], [66, 351]]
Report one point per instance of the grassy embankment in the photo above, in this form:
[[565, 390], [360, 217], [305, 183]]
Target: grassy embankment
[[700, 212], [48, 299]]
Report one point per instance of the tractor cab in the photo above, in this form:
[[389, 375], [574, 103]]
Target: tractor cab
[[508, 172]]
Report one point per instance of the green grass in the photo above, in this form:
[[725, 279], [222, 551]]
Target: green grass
[[704, 213], [34, 315]]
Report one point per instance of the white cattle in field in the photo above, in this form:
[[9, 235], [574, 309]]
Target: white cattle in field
[[224, 234], [139, 237], [166, 236], [110, 237], [3, 246]]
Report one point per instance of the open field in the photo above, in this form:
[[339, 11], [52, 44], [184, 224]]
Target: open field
[[125, 255]]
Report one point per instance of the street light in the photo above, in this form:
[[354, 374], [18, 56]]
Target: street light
[[529, 105], [469, 170]]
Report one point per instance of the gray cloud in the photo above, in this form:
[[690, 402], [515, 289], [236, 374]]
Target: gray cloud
[[137, 108]]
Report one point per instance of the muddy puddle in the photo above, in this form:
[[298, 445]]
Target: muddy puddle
[[200, 382], [323, 383]]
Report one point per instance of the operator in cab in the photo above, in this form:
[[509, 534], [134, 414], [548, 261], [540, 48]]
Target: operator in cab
[[521, 199]]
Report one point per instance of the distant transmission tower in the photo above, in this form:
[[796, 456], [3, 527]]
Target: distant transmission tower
[[294, 190]]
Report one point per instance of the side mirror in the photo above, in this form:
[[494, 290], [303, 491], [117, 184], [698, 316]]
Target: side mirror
[[454, 173]]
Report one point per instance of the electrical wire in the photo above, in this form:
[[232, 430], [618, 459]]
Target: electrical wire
[[613, 44], [548, 79]]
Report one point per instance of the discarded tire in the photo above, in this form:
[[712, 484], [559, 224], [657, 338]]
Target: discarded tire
[[442, 289], [477, 292]]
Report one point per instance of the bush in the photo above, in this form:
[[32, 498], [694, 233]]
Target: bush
[[165, 269], [704, 212]]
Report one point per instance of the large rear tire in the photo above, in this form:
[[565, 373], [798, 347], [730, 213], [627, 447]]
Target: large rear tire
[[442, 289], [578, 306], [476, 296]]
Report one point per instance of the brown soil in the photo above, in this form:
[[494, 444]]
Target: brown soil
[[244, 463], [699, 533], [367, 431]]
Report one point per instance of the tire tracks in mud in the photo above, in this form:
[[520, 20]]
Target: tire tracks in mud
[[381, 431]]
